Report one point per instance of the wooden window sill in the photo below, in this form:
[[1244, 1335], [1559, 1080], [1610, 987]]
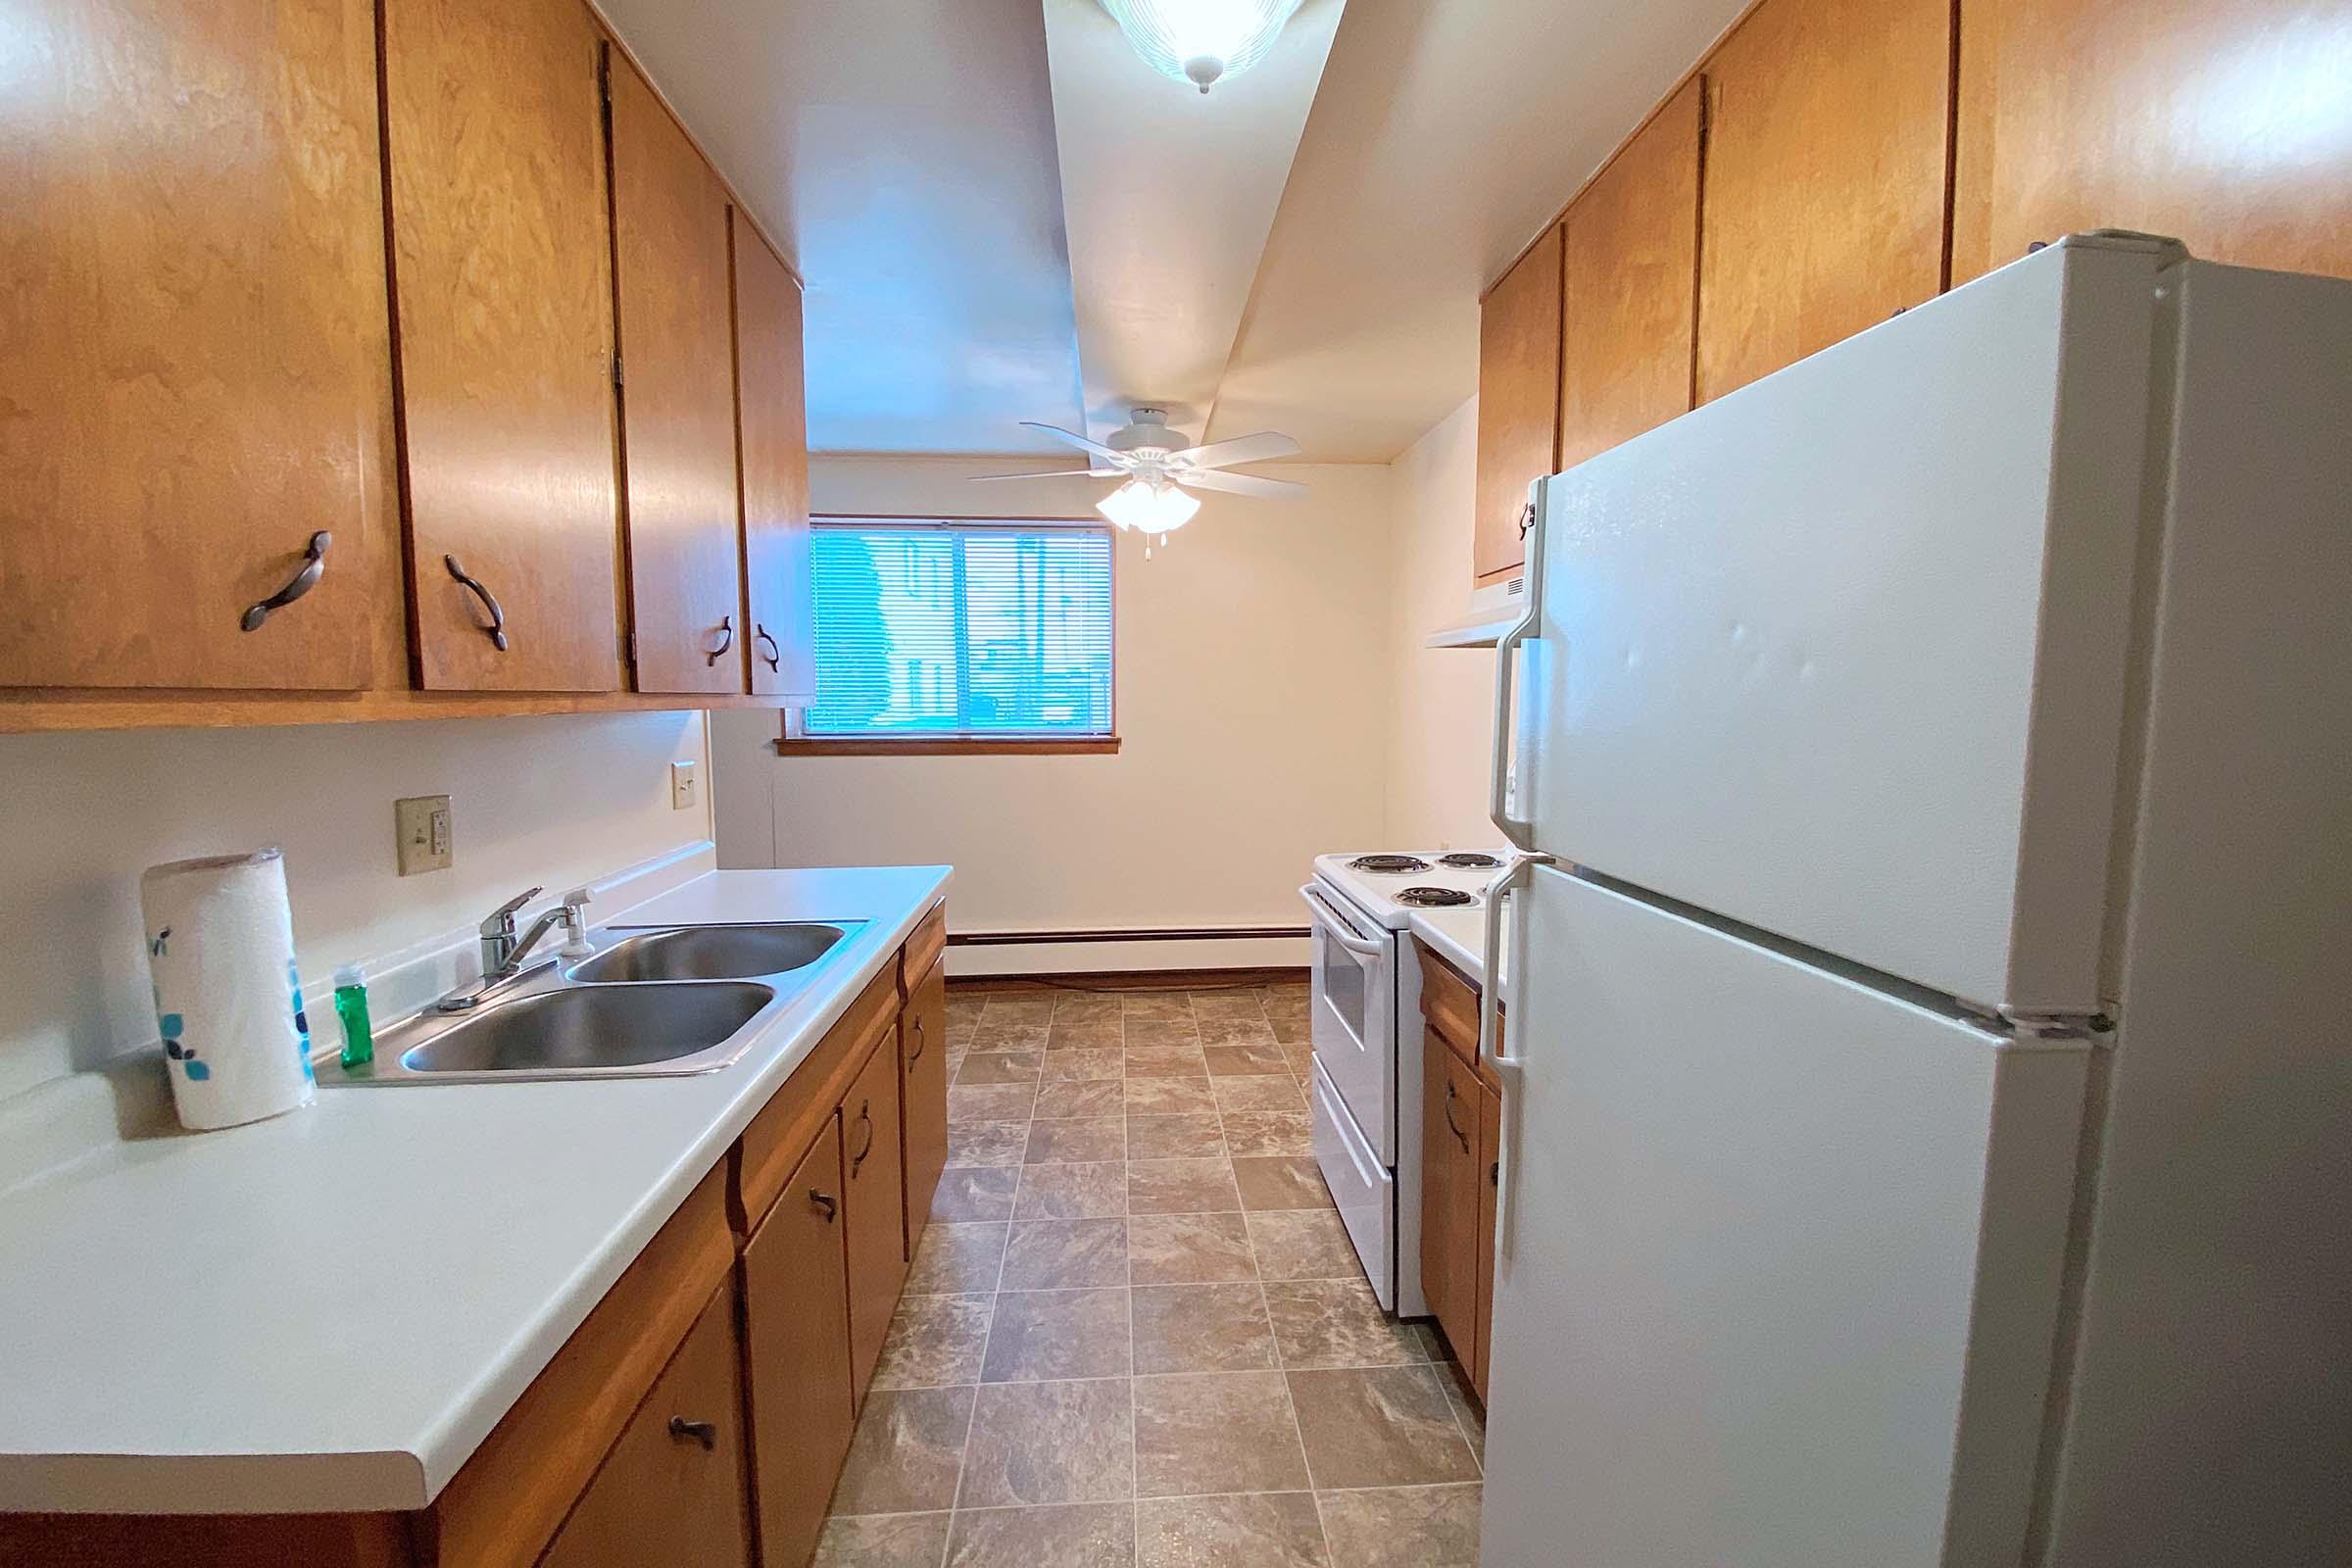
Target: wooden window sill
[[1007, 746]]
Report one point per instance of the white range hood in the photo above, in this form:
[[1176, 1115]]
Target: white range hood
[[1492, 612]]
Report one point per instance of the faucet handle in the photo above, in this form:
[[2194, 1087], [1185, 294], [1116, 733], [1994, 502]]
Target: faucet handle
[[502, 918]]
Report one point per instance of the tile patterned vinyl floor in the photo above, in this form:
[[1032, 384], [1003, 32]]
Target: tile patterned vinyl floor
[[1134, 1335]]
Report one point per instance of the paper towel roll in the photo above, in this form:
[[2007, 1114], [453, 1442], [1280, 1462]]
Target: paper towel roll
[[227, 1000]]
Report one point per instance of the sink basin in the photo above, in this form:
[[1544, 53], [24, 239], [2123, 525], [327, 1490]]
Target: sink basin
[[712, 952], [621, 1030]]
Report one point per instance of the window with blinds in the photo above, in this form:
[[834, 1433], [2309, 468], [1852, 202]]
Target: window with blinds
[[946, 630]]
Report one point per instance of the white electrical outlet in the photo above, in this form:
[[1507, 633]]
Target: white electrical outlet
[[681, 786], [423, 834]]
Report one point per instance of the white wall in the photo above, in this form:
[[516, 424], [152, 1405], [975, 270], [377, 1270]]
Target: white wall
[[1252, 699], [1442, 698], [551, 801]]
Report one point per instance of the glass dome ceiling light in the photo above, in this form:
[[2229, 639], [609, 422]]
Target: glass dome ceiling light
[[1201, 41]]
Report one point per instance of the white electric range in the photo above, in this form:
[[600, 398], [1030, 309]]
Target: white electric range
[[1366, 1096]]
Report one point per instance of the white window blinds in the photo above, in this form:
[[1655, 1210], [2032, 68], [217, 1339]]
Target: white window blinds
[[936, 631]]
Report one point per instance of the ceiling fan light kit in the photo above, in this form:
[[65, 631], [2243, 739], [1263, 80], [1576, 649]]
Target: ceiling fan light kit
[[1202, 42], [1162, 471], [1149, 508]]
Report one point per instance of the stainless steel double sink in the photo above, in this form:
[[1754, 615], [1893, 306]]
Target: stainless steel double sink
[[652, 1001]]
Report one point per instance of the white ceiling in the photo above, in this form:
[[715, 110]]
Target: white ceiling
[[1002, 214]]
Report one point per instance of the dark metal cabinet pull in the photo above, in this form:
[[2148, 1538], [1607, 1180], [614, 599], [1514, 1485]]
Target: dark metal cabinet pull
[[865, 1115], [313, 567], [826, 1201], [920, 1039], [726, 639], [775, 650], [1527, 519], [1453, 1126], [498, 618], [705, 1432]]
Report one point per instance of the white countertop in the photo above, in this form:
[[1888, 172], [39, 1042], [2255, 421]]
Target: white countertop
[[329, 1311], [1460, 936]]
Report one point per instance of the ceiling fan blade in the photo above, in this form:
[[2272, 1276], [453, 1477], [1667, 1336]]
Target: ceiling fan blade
[[1055, 473], [1260, 448], [1073, 438], [1240, 484]]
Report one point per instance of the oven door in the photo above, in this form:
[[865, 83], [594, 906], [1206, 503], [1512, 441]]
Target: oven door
[[1353, 1011]]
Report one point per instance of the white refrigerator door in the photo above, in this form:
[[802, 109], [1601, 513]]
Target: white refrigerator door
[[1842, 654], [1784, 1258]]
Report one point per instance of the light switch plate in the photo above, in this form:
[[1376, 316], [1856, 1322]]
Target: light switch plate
[[424, 832], [681, 786]]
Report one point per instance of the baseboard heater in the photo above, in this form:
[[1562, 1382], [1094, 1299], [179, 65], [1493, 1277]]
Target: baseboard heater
[[1052, 939]]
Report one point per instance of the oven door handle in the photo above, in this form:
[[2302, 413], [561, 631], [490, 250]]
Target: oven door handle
[[1331, 920]]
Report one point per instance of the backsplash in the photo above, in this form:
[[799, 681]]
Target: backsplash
[[553, 801]]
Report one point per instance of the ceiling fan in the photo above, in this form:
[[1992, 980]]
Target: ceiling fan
[[1160, 466]]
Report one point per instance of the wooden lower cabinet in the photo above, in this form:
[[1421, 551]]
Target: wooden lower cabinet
[[703, 1411], [1449, 1192], [874, 1207], [671, 1490], [923, 1095], [796, 1340], [1461, 1143]]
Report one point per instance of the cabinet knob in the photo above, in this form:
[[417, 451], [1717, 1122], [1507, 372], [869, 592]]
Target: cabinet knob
[[314, 567], [726, 640], [826, 1201], [775, 650], [705, 1432], [920, 1041]]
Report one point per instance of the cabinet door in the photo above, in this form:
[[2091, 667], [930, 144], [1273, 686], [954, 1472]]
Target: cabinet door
[[772, 411], [923, 1094], [1450, 1194], [1826, 128], [1486, 1177], [1630, 288], [2222, 125], [503, 287], [876, 1206], [194, 326], [796, 1301], [671, 1490], [1518, 402], [677, 397]]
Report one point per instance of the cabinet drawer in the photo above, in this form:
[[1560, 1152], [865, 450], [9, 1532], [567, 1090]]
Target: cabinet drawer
[[922, 949], [671, 1490]]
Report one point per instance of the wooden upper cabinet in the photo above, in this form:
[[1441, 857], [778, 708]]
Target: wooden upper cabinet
[[1518, 402], [677, 397], [2224, 125], [772, 416], [194, 328], [671, 1490], [502, 270], [1826, 130], [1630, 284]]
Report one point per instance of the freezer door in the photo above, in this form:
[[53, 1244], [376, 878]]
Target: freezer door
[[1842, 654], [1782, 1257]]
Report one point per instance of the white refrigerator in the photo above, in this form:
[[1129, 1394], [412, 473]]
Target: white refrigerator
[[1928, 1069]]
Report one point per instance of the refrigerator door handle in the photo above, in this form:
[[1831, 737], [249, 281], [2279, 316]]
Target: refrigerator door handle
[[1519, 831], [1330, 920], [1505, 1064]]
